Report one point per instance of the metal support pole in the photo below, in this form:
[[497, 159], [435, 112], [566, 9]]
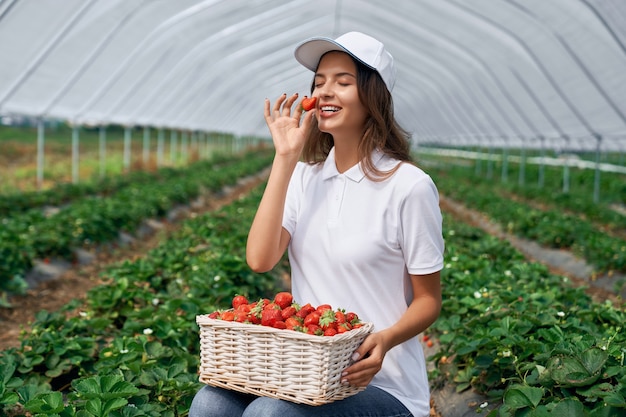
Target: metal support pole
[[173, 146], [541, 180], [127, 142], [522, 167], [146, 146], [505, 164], [183, 147], [596, 179], [75, 151], [102, 139], [160, 146], [490, 163], [41, 133]]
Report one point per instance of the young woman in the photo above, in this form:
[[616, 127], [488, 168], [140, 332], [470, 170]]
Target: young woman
[[361, 224]]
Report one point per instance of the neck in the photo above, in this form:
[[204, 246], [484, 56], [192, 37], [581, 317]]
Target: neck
[[346, 154]]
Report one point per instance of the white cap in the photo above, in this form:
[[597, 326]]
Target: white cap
[[360, 46]]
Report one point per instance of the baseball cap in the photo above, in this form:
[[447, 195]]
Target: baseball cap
[[365, 49]]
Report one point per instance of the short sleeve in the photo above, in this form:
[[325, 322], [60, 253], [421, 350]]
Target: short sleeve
[[421, 234], [293, 199]]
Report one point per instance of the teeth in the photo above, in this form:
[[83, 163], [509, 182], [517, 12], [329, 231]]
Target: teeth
[[330, 108]]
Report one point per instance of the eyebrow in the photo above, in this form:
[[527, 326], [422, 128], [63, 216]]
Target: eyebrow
[[340, 74]]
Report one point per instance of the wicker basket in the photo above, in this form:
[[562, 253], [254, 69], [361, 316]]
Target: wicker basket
[[275, 363]]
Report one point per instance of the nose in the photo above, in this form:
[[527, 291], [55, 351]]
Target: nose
[[324, 90]]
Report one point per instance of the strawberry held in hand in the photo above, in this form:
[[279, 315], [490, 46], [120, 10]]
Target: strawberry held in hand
[[309, 103]]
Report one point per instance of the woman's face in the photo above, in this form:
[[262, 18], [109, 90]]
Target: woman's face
[[340, 111]]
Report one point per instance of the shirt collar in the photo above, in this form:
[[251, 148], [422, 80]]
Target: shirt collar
[[356, 172]]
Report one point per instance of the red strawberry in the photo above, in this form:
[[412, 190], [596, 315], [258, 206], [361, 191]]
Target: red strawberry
[[344, 327], [280, 324], [308, 103], [239, 300], [312, 318], [327, 320], [330, 332], [314, 329], [323, 307], [305, 310], [288, 312], [228, 315], [283, 299], [270, 316], [292, 323]]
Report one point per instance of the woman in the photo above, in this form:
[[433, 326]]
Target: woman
[[361, 224]]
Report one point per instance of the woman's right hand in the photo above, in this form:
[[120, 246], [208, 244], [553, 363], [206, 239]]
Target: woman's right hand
[[286, 125]]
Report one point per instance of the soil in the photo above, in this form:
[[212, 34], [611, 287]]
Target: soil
[[74, 283]]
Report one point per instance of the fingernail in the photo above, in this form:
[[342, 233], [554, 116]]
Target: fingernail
[[355, 356], [344, 373], [344, 381]]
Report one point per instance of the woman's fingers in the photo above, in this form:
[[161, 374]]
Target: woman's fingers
[[288, 104], [282, 107], [279, 102]]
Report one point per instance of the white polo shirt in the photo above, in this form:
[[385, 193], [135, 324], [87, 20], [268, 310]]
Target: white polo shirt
[[354, 243]]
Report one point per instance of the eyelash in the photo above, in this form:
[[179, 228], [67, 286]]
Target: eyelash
[[341, 84]]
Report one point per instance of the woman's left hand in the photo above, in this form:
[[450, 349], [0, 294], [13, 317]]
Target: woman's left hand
[[368, 360]]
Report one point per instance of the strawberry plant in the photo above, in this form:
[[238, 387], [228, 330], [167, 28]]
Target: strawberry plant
[[96, 220], [517, 333]]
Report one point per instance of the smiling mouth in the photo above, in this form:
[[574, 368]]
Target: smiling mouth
[[329, 109]]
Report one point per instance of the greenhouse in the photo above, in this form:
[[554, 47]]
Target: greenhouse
[[134, 153]]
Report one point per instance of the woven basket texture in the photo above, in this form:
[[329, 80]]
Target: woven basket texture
[[275, 363]]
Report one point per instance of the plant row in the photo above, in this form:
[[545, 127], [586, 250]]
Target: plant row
[[65, 193], [544, 185], [98, 219], [549, 225], [131, 348], [524, 337]]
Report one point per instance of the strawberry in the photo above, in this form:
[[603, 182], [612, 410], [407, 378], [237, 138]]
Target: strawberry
[[331, 331], [283, 299], [312, 318], [305, 310], [323, 307], [340, 317], [308, 103], [327, 320], [314, 329], [214, 315], [279, 324], [352, 318], [239, 300], [269, 317], [228, 315], [343, 327], [292, 323], [288, 312]]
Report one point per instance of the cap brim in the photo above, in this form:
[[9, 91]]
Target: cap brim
[[309, 52]]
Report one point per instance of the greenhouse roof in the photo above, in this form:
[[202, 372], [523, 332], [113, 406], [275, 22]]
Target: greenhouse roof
[[524, 73]]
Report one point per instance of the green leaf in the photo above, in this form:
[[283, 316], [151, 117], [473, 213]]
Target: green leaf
[[569, 407], [522, 396], [594, 359], [48, 403]]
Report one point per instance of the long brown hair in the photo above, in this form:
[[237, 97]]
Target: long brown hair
[[382, 131]]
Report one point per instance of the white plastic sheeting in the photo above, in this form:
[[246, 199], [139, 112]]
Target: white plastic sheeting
[[529, 73]]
